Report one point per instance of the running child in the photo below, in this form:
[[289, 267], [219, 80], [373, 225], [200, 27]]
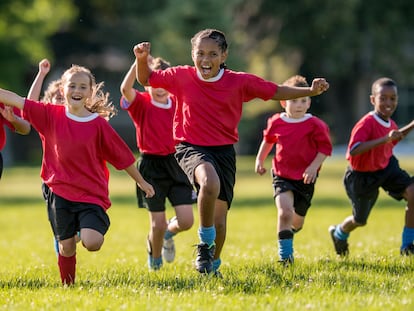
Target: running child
[[294, 173], [372, 164], [209, 107], [78, 141], [152, 113]]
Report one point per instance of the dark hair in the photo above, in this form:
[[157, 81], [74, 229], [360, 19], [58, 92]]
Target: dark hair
[[214, 34], [297, 80], [382, 82], [159, 63]]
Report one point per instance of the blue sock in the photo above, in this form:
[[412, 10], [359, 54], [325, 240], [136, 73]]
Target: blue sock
[[339, 234], [407, 237], [154, 263], [207, 235], [168, 234], [216, 264], [285, 248]]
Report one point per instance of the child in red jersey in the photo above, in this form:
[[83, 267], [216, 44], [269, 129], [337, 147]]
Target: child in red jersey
[[152, 113], [372, 165], [54, 96], [10, 117], [78, 141], [294, 173], [209, 107]]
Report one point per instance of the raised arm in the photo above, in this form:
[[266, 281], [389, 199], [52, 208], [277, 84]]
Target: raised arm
[[318, 86], [127, 85], [36, 88], [143, 70]]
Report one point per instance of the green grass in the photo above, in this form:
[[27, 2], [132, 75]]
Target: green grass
[[374, 277]]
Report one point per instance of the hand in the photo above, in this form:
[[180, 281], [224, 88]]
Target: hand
[[395, 135], [147, 188], [319, 85], [44, 66], [142, 49], [8, 113], [310, 175], [260, 169]]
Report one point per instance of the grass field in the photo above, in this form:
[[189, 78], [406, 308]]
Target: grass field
[[374, 277]]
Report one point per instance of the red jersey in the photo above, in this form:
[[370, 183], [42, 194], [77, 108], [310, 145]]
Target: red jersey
[[75, 152], [371, 127], [209, 111], [298, 141], [4, 122], [153, 123]]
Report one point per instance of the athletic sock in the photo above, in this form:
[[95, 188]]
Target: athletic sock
[[339, 234], [207, 235], [407, 237], [285, 242], [67, 269], [154, 263], [216, 264], [168, 234]]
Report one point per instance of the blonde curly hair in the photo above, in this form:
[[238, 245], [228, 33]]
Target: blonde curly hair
[[99, 102]]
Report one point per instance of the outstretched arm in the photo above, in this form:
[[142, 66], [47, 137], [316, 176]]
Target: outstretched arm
[[285, 92], [262, 154], [407, 129], [36, 88], [368, 145], [141, 182], [143, 71], [20, 126], [11, 99], [127, 85]]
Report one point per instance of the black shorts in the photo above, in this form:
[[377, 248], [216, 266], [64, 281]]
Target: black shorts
[[362, 188], [167, 178], [67, 217], [223, 159], [302, 193]]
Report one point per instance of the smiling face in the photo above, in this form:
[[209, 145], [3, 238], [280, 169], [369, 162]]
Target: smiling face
[[385, 100], [208, 57], [76, 91]]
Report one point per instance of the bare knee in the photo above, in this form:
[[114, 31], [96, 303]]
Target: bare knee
[[93, 245]]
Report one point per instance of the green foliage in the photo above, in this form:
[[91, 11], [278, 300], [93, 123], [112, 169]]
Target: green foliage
[[374, 277], [25, 28]]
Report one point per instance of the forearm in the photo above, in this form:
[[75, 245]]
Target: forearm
[[21, 126], [317, 162], [11, 99], [368, 145], [143, 71], [35, 89], [406, 129], [290, 92], [128, 83]]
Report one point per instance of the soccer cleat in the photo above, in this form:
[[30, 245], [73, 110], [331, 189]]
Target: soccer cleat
[[168, 250], [204, 259], [408, 251], [341, 246], [286, 262]]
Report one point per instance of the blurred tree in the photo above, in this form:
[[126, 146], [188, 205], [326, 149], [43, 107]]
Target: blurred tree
[[351, 43], [25, 27]]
